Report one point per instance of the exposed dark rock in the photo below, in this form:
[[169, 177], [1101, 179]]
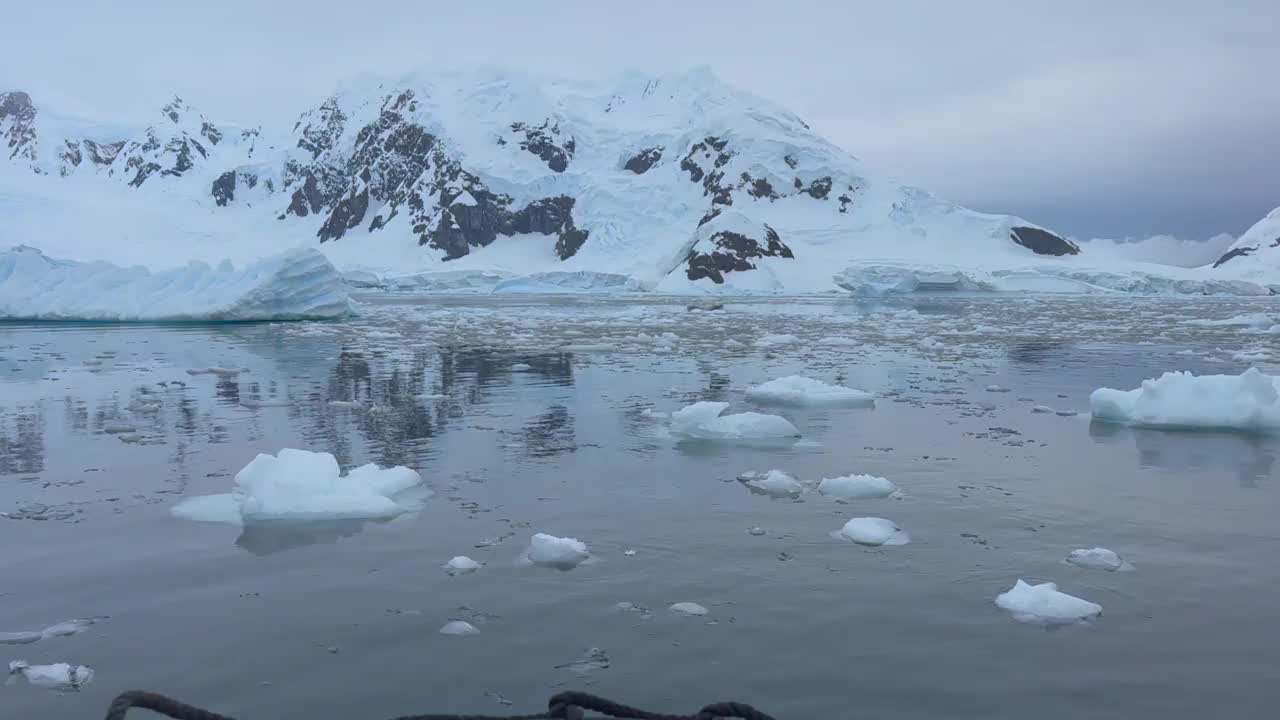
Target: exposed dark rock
[[819, 189], [646, 159], [210, 132], [844, 202], [758, 187], [1234, 253], [798, 184], [1043, 242], [322, 129], [791, 163], [377, 223], [710, 215], [733, 252], [224, 188], [570, 241], [16, 107], [346, 214], [70, 156], [145, 170], [544, 141], [712, 149], [102, 153]]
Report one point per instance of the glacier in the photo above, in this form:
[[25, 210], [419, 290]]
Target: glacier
[[296, 285]]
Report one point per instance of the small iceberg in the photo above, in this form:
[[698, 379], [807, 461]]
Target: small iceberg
[[299, 485], [1248, 402], [562, 553], [703, 421], [297, 285], [459, 627], [874, 531], [1044, 605], [1098, 559], [58, 676], [773, 483], [856, 487], [689, 609], [802, 391], [462, 565]]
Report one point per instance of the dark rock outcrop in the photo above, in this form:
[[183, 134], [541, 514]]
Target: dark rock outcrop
[[645, 159], [819, 189], [733, 252], [102, 153], [758, 187], [1043, 242], [20, 137], [224, 188], [547, 142], [347, 214], [1234, 253], [321, 128]]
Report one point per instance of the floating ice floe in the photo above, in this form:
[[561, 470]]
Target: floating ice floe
[[589, 347], [298, 485], [774, 483], [997, 389], [58, 676], [689, 609], [1098, 559], [703, 421], [563, 553], [256, 403], [835, 341], [66, 628], [1249, 402], [1042, 409], [767, 342], [1043, 604], [461, 565], [459, 627], [521, 367], [345, 404], [802, 391], [428, 397], [298, 285], [857, 487], [874, 531], [1253, 320]]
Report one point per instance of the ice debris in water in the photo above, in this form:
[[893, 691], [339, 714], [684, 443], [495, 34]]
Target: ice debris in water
[[299, 485], [1249, 402], [703, 421], [802, 391], [997, 389], [344, 403], [593, 659], [774, 341], [834, 341], [1099, 559], [874, 531], [774, 483], [689, 608], [58, 676], [1043, 604], [1042, 409], [461, 565], [564, 553], [219, 371], [429, 396], [118, 429], [459, 627], [521, 367], [857, 487]]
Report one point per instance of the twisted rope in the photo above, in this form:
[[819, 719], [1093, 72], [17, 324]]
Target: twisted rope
[[564, 706]]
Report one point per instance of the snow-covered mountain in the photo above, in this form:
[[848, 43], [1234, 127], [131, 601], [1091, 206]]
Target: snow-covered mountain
[[676, 182], [1257, 250]]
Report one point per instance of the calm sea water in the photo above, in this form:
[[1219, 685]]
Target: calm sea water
[[340, 620]]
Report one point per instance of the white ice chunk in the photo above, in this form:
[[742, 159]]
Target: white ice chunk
[[299, 485], [702, 420], [1043, 604], [461, 565], [801, 391], [1042, 409], [521, 367], [459, 627], [559, 552], [58, 676], [297, 285], [773, 482], [689, 608], [1254, 320], [774, 341], [857, 487], [874, 531], [1248, 402], [1099, 559]]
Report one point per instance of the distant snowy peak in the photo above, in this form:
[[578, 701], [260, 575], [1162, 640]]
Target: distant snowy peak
[[1259, 246], [681, 175]]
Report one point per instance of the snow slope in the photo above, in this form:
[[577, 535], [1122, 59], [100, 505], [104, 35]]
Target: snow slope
[[486, 178], [297, 285], [1256, 255]]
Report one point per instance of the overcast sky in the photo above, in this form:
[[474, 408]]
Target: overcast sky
[[1094, 117]]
